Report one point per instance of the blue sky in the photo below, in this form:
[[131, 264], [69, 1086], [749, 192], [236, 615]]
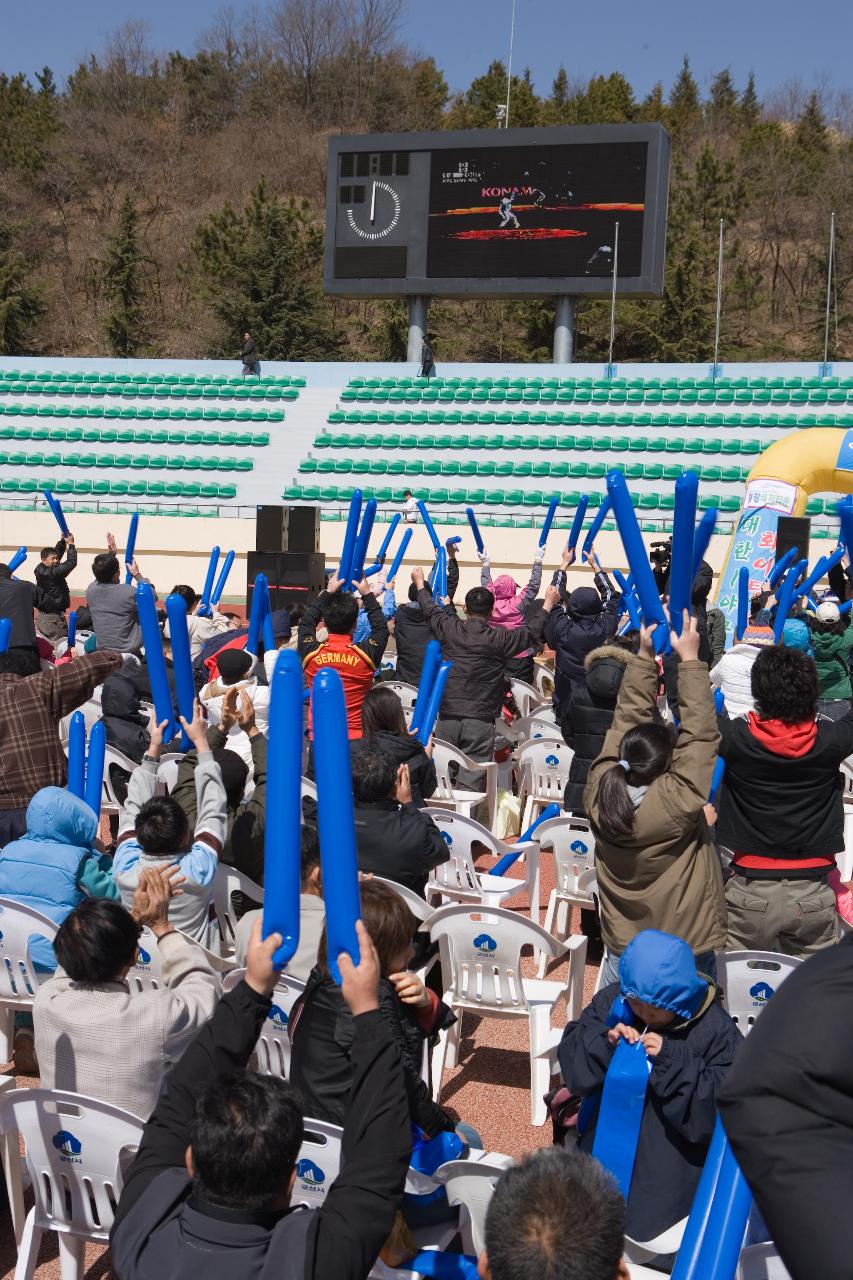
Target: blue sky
[[779, 39]]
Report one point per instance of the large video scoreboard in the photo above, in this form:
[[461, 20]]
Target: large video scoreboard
[[498, 212]]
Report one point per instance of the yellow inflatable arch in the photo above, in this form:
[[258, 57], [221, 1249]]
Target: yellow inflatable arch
[[819, 460]]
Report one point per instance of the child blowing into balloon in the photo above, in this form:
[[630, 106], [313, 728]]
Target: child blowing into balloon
[[690, 1041]]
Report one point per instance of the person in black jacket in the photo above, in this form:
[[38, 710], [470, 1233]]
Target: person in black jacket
[[215, 1172], [476, 686], [249, 356], [411, 629], [385, 730], [52, 594], [787, 1107], [321, 1030], [690, 1041], [781, 809], [393, 838], [17, 601], [588, 714], [586, 621]]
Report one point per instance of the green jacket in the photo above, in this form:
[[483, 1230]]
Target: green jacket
[[244, 840], [832, 659]]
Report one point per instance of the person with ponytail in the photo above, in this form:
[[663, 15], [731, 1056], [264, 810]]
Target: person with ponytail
[[646, 798]]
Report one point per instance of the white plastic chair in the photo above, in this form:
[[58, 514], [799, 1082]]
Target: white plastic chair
[[469, 1185], [543, 771], [761, 1262], [110, 802], [575, 884], [407, 693], [748, 979], [458, 880], [527, 699], [167, 772], [483, 954], [543, 680], [541, 723], [273, 1045], [19, 980], [456, 798], [844, 860], [10, 1159], [318, 1163], [639, 1251], [74, 1147], [228, 880], [147, 972]]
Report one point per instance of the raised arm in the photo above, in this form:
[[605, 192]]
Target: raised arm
[[688, 780]]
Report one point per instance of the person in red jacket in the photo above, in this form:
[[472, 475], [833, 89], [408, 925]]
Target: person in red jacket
[[356, 664]]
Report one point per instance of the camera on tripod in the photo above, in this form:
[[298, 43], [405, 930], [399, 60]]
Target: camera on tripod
[[661, 554]]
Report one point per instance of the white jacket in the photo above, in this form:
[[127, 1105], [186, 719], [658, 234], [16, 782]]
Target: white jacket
[[213, 695], [733, 674]]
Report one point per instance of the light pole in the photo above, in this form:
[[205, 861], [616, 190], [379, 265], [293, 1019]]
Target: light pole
[[509, 68]]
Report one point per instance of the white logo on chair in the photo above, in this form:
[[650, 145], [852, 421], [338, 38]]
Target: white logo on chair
[[277, 1015], [578, 846], [310, 1174], [761, 993], [69, 1146], [485, 944]]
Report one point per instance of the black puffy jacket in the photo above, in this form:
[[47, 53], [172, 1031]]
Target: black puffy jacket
[[321, 1030], [52, 594], [588, 715], [126, 726], [404, 750], [398, 842], [573, 630]]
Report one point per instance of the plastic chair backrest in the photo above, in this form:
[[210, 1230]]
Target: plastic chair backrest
[[74, 1146], [318, 1163], [545, 761], [527, 699], [543, 680], [112, 756], [228, 880], [748, 979], [407, 693], [147, 972], [484, 953], [309, 788], [539, 724], [167, 771], [19, 981], [418, 906], [574, 854], [273, 1045], [458, 833], [443, 755], [471, 1184], [761, 1262]]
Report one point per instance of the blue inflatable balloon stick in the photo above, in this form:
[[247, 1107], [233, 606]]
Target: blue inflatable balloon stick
[[683, 540], [429, 669], [386, 541], [77, 755], [72, 630], [428, 524], [704, 530], [697, 1222], [594, 529], [399, 555], [5, 633], [362, 542], [283, 831], [436, 693], [742, 601], [223, 578], [620, 1114], [475, 529], [713, 1237], [207, 590], [577, 523], [95, 757], [182, 666], [146, 612], [509, 859], [549, 520], [259, 610], [58, 514], [17, 559], [350, 536], [638, 562], [781, 567], [130, 549], [785, 597], [333, 772]]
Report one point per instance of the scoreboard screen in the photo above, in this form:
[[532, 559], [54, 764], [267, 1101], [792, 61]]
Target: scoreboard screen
[[498, 212]]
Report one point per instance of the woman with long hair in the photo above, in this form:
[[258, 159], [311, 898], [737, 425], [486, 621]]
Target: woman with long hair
[[384, 727], [647, 800]]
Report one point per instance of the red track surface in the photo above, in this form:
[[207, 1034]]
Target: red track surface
[[517, 233]]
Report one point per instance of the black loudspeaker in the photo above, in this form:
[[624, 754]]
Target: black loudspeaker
[[287, 529], [793, 531], [294, 577]]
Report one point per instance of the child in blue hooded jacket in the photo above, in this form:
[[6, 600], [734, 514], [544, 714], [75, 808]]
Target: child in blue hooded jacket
[[690, 1042]]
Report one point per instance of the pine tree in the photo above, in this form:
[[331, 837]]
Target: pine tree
[[608, 100], [684, 107], [723, 102], [20, 305], [261, 270], [750, 107], [123, 273], [653, 109], [811, 144]]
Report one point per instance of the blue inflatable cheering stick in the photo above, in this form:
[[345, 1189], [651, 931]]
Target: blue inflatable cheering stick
[[577, 523], [429, 526], [785, 597], [96, 755], [359, 554], [429, 670], [715, 1229], [338, 858], [704, 530], [823, 566], [600, 516], [638, 562], [781, 567], [182, 666], [130, 549], [258, 612], [549, 520], [283, 832], [17, 559], [475, 529], [436, 693], [146, 612], [5, 633], [223, 578], [56, 507], [207, 591], [350, 536], [77, 755], [620, 1114], [683, 539], [509, 859], [386, 541], [400, 554], [742, 601]]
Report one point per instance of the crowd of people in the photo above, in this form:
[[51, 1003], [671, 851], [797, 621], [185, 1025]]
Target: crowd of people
[[679, 878]]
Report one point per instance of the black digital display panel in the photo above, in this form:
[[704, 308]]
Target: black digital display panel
[[498, 212], [537, 211]]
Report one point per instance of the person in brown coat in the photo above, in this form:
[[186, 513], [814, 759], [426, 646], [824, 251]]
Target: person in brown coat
[[646, 798]]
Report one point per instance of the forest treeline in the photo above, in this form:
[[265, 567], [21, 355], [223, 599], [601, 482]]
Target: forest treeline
[[158, 205]]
